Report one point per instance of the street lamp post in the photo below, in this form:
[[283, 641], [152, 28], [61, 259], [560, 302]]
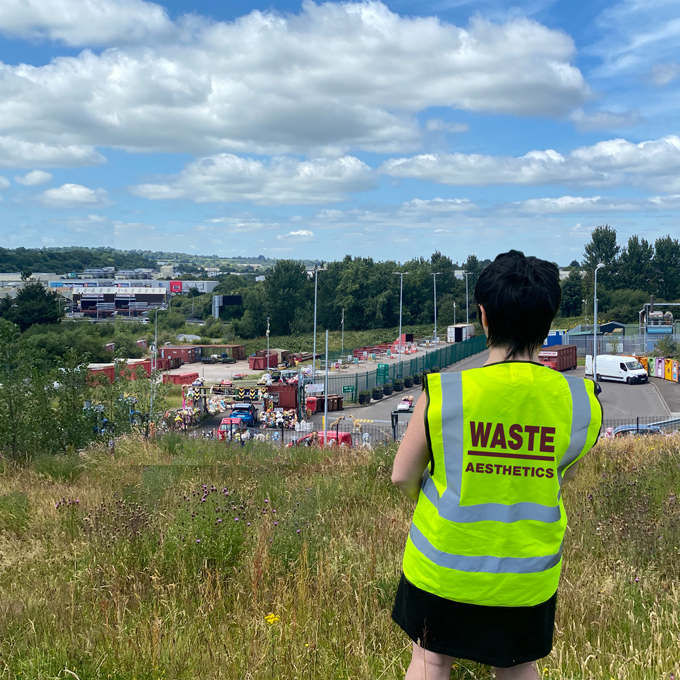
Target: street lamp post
[[342, 323], [267, 344], [401, 299], [599, 266], [434, 276], [585, 308], [454, 313], [316, 281], [467, 304]]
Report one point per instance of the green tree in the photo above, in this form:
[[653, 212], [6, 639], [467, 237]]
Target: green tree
[[602, 249], [287, 288], [33, 304], [22, 392], [635, 264], [572, 294], [666, 267]]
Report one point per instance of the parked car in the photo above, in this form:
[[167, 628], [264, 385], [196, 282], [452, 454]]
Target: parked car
[[246, 412], [624, 430], [228, 425]]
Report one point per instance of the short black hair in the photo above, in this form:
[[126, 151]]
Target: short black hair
[[521, 296]]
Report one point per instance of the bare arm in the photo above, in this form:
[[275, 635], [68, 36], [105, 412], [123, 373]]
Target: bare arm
[[571, 472], [413, 455]]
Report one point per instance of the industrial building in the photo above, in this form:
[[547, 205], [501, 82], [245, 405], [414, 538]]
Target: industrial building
[[104, 301]]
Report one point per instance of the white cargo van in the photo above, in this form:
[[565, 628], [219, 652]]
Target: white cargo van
[[617, 368]]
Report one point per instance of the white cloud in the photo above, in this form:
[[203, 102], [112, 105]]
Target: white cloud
[[576, 204], [229, 178], [74, 196], [635, 35], [439, 125], [83, 22], [604, 120], [663, 74], [335, 76], [33, 178], [438, 205], [300, 234], [4, 182], [608, 163], [18, 153]]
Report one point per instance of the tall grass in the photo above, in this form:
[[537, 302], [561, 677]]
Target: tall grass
[[136, 566]]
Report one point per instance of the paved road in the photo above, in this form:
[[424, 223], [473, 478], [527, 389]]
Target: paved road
[[619, 401]]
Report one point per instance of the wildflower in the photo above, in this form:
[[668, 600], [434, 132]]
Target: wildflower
[[235, 519], [247, 524], [198, 540], [298, 531], [272, 618], [218, 521], [275, 523], [266, 500]]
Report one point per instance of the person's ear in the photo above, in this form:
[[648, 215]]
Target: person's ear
[[482, 318]]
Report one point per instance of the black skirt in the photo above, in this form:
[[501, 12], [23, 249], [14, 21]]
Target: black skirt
[[498, 636]]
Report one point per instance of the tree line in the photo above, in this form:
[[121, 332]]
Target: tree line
[[631, 273]]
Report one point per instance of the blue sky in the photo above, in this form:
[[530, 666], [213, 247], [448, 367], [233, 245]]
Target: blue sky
[[312, 130]]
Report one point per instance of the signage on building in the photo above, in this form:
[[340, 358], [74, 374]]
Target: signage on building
[[175, 286]]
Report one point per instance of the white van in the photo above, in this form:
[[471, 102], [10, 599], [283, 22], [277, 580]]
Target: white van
[[618, 368]]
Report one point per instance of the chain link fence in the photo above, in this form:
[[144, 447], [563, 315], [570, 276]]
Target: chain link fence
[[446, 356]]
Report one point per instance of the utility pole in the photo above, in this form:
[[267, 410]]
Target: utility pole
[[267, 344], [434, 276], [454, 313], [401, 300], [154, 363], [599, 266]]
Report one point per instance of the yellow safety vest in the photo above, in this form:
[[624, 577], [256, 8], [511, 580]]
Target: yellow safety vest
[[490, 521]]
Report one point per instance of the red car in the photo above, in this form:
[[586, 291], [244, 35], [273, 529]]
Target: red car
[[227, 425]]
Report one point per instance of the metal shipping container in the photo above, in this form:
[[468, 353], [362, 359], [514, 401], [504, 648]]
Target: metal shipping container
[[562, 356]]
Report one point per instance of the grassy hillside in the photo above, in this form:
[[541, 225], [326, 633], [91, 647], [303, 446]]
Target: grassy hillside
[[115, 567]]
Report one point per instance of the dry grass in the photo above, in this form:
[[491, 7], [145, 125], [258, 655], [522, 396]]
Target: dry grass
[[116, 586]]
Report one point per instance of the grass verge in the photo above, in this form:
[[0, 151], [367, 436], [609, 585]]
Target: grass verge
[[166, 561]]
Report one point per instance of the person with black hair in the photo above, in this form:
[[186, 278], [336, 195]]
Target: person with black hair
[[484, 456]]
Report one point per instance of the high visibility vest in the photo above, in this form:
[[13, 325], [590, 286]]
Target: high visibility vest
[[489, 523]]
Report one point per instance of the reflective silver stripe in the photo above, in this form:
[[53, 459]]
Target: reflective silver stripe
[[448, 504], [452, 433], [580, 422], [483, 563], [493, 512]]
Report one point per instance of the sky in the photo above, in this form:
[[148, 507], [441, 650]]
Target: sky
[[312, 130]]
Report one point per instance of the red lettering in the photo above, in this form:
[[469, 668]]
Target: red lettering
[[507, 469], [480, 433], [480, 467], [470, 468], [498, 436], [549, 473], [516, 440], [517, 471], [489, 469], [526, 470], [532, 430], [547, 434], [498, 469], [539, 472]]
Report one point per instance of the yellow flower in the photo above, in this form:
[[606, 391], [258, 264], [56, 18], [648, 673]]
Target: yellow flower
[[272, 618]]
